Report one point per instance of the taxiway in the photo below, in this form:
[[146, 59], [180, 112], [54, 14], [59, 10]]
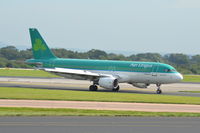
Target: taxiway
[[99, 125], [80, 85]]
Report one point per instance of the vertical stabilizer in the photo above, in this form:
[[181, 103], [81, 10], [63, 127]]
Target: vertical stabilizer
[[39, 46]]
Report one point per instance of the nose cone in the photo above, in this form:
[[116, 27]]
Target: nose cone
[[178, 77]]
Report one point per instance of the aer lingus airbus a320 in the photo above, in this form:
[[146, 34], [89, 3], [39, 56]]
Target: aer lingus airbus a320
[[105, 73]]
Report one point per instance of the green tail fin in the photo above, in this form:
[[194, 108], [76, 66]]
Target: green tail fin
[[39, 47]]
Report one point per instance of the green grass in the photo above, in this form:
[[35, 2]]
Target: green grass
[[191, 78], [69, 95], [191, 91], [13, 111], [25, 73]]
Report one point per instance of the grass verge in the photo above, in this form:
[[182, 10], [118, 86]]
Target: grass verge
[[191, 78], [25, 73], [191, 91], [13, 111], [69, 95]]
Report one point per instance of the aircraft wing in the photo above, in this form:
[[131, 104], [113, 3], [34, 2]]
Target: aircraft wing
[[76, 74]]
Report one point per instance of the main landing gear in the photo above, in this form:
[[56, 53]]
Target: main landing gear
[[93, 87], [158, 91]]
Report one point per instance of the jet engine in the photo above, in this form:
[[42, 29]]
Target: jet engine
[[108, 82], [140, 85]]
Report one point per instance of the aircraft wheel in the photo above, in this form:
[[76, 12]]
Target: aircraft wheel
[[116, 89], [93, 88], [159, 91]]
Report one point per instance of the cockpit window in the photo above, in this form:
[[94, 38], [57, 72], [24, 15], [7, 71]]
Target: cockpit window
[[169, 70], [173, 70]]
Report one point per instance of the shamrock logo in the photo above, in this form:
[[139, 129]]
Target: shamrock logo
[[39, 45]]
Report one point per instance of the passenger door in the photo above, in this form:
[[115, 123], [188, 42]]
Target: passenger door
[[154, 70]]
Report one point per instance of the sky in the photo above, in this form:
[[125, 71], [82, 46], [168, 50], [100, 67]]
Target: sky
[[162, 26]]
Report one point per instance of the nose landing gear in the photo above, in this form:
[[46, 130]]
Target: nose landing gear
[[116, 89], [158, 91]]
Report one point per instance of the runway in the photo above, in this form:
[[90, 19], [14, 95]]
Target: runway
[[99, 125], [80, 85]]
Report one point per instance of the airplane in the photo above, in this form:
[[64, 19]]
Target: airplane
[[104, 73]]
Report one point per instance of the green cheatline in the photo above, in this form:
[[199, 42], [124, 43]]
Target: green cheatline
[[14, 111], [69, 95]]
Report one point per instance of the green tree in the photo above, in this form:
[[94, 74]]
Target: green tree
[[154, 57], [10, 52], [195, 59], [25, 54], [97, 54], [179, 59]]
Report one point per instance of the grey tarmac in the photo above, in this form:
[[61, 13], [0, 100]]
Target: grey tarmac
[[99, 125], [81, 85]]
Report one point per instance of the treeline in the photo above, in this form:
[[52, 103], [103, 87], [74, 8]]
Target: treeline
[[10, 56]]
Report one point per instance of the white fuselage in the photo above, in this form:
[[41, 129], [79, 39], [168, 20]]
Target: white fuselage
[[144, 77]]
